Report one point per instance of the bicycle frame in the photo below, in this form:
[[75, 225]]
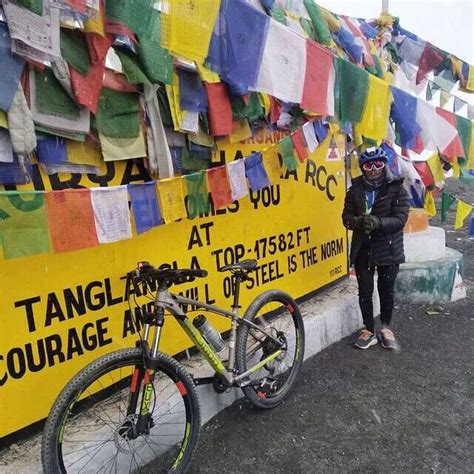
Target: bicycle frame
[[171, 302]]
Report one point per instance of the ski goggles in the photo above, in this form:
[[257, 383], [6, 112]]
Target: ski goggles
[[373, 165]]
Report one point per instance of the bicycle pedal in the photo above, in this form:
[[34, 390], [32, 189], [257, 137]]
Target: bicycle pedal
[[268, 386]]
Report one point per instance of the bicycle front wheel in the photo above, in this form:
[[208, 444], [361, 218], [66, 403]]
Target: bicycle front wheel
[[90, 428], [278, 314]]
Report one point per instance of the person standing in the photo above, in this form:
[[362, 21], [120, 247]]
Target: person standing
[[376, 210]]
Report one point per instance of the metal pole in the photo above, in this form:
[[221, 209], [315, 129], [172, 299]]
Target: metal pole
[[385, 6]]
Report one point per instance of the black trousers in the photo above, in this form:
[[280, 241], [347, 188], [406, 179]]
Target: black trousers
[[387, 275]]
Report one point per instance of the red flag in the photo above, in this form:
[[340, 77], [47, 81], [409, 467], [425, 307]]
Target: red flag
[[299, 143], [87, 87], [317, 81], [275, 110], [220, 110], [430, 59], [71, 219], [455, 148], [219, 186], [98, 46], [424, 172]]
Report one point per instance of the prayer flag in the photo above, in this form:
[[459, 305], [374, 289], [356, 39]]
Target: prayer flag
[[23, 224], [135, 15], [323, 35], [470, 157], [310, 136], [470, 79], [447, 200], [321, 130], [220, 110], [429, 204], [190, 27], [403, 113], [463, 210], [238, 183], [434, 163], [271, 162], [51, 150], [286, 151], [83, 153], [255, 172], [192, 96], [299, 143], [374, 119], [14, 172], [146, 211], [454, 148], [430, 59], [464, 127], [320, 76], [241, 131], [219, 186], [351, 91], [71, 219], [12, 67], [114, 149], [283, 66], [425, 173], [111, 213], [471, 227], [197, 199], [87, 87], [171, 194]]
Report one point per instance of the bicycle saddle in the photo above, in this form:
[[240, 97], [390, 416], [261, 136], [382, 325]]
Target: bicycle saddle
[[243, 266]]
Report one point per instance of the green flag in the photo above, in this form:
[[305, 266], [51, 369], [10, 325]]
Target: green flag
[[117, 114], [197, 201], [286, 150], [352, 85], [132, 69], [464, 129], [36, 6], [251, 111], [23, 224], [323, 35], [447, 201], [136, 15], [51, 98], [157, 62], [74, 50], [279, 15]]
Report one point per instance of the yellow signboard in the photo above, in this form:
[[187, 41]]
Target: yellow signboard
[[61, 311]]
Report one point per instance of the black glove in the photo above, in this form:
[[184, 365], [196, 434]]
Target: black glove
[[371, 223], [357, 222]]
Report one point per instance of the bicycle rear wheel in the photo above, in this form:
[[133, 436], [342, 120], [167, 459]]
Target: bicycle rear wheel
[[277, 313], [89, 430]]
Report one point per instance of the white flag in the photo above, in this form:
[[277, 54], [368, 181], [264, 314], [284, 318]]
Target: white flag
[[238, 181], [111, 213], [283, 66], [310, 136]]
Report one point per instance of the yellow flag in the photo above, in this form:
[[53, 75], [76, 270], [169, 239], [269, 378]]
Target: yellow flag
[[206, 74], [3, 119], [456, 170], [265, 102], [470, 79], [171, 192], [470, 155], [462, 211], [374, 119], [429, 204], [172, 91], [83, 153], [271, 162], [241, 132], [190, 27], [95, 24], [434, 163]]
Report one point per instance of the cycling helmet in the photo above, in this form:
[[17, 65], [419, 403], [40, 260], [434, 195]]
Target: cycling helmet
[[372, 154]]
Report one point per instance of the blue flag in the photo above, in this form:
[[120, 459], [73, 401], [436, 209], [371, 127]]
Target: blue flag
[[51, 151], [321, 130], [237, 44], [146, 211], [255, 172], [14, 173], [345, 39], [12, 67], [192, 95], [403, 113]]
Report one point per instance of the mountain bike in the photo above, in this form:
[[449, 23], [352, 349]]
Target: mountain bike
[[136, 409]]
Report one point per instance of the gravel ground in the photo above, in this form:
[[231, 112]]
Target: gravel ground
[[374, 410]]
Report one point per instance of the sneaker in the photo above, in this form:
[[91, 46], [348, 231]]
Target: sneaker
[[365, 339], [387, 339]]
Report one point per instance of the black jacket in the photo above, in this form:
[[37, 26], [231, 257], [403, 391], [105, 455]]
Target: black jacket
[[391, 206]]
